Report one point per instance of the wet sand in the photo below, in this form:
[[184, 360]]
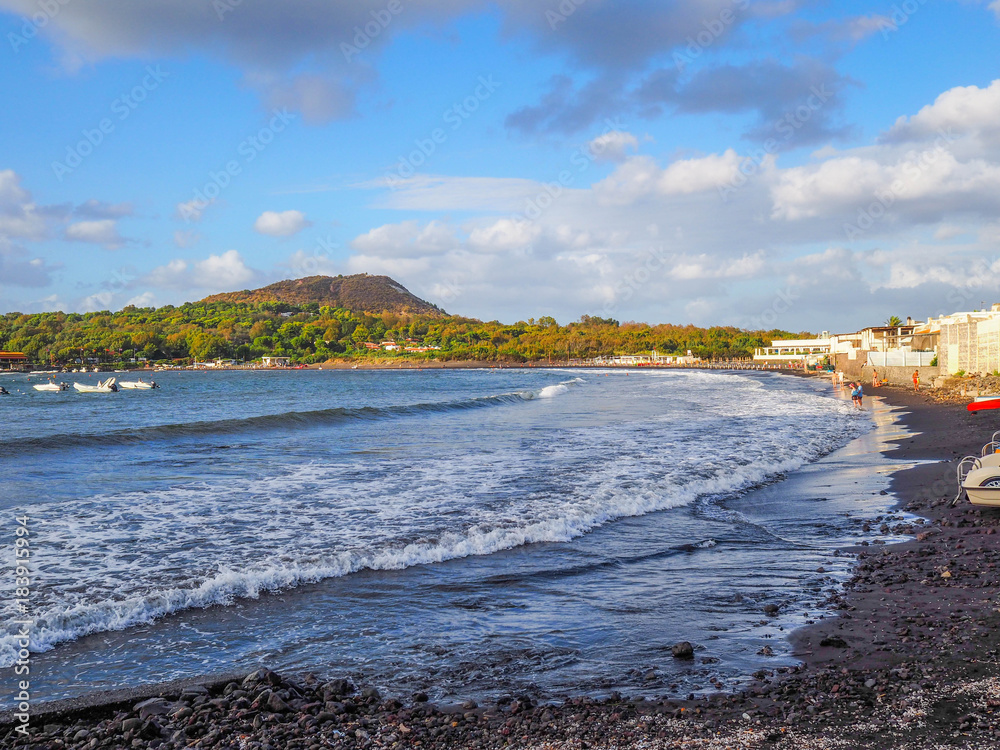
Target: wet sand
[[911, 661]]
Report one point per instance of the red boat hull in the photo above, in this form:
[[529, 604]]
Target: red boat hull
[[993, 403]]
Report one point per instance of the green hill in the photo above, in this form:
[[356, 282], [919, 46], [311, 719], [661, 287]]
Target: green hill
[[359, 293]]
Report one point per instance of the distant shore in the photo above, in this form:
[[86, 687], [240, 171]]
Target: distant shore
[[910, 662]]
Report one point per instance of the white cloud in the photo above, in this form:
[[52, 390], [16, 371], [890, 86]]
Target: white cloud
[[964, 110], [301, 263], [100, 232], [641, 176], [226, 271], [406, 238], [505, 235], [96, 302], [20, 218], [146, 299], [949, 231], [281, 224], [653, 237], [216, 273], [918, 184], [687, 268], [613, 145]]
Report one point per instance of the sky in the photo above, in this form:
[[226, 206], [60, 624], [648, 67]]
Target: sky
[[781, 163]]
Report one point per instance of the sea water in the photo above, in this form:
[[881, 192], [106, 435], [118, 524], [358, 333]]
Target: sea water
[[464, 533]]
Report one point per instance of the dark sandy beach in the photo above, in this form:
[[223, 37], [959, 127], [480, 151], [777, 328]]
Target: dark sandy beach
[[910, 661]]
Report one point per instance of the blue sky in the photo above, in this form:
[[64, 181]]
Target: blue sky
[[806, 165]]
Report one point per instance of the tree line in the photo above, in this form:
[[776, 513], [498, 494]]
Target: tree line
[[310, 333]]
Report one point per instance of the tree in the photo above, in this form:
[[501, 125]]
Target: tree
[[894, 321]]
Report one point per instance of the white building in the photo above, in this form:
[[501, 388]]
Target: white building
[[276, 361], [810, 351], [968, 341]]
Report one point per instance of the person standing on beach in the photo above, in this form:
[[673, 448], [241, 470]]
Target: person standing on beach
[[874, 378], [916, 380], [856, 394]]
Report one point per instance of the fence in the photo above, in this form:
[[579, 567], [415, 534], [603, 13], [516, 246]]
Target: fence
[[900, 359]]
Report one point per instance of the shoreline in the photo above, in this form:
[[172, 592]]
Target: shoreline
[[458, 364], [896, 669]]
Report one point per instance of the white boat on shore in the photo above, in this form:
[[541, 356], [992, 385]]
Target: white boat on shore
[[138, 385], [51, 386], [979, 476], [108, 386]]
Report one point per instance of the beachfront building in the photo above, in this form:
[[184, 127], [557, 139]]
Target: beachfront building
[[637, 360], [969, 341], [787, 351], [10, 359], [910, 344], [276, 361]]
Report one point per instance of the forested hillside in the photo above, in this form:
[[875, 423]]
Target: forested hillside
[[247, 328]]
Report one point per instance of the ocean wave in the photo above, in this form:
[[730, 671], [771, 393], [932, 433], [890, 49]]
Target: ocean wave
[[291, 420], [612, 500], [123, 560]]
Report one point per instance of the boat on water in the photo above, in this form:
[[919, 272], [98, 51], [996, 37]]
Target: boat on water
[[138, 385], [107, 386], [979, 476], [51, 386]]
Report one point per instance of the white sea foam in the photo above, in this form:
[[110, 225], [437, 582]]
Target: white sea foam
[[121, 560]]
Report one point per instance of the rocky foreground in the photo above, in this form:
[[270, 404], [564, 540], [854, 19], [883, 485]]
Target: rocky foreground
[[911, 662]]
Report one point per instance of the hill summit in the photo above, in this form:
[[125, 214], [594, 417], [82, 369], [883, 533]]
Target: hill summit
[[359, 293]]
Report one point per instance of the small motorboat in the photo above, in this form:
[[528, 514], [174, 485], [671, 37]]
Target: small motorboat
[[138, 385], [108, 386], [979, 476], [51, 386]]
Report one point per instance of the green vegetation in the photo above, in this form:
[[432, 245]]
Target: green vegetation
[[311, 333]]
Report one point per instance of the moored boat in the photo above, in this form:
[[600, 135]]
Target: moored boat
[[979, 476], [51, 386], [138, 385], [108, 386]]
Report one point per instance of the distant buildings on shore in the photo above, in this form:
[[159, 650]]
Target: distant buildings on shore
[[966, 342]]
